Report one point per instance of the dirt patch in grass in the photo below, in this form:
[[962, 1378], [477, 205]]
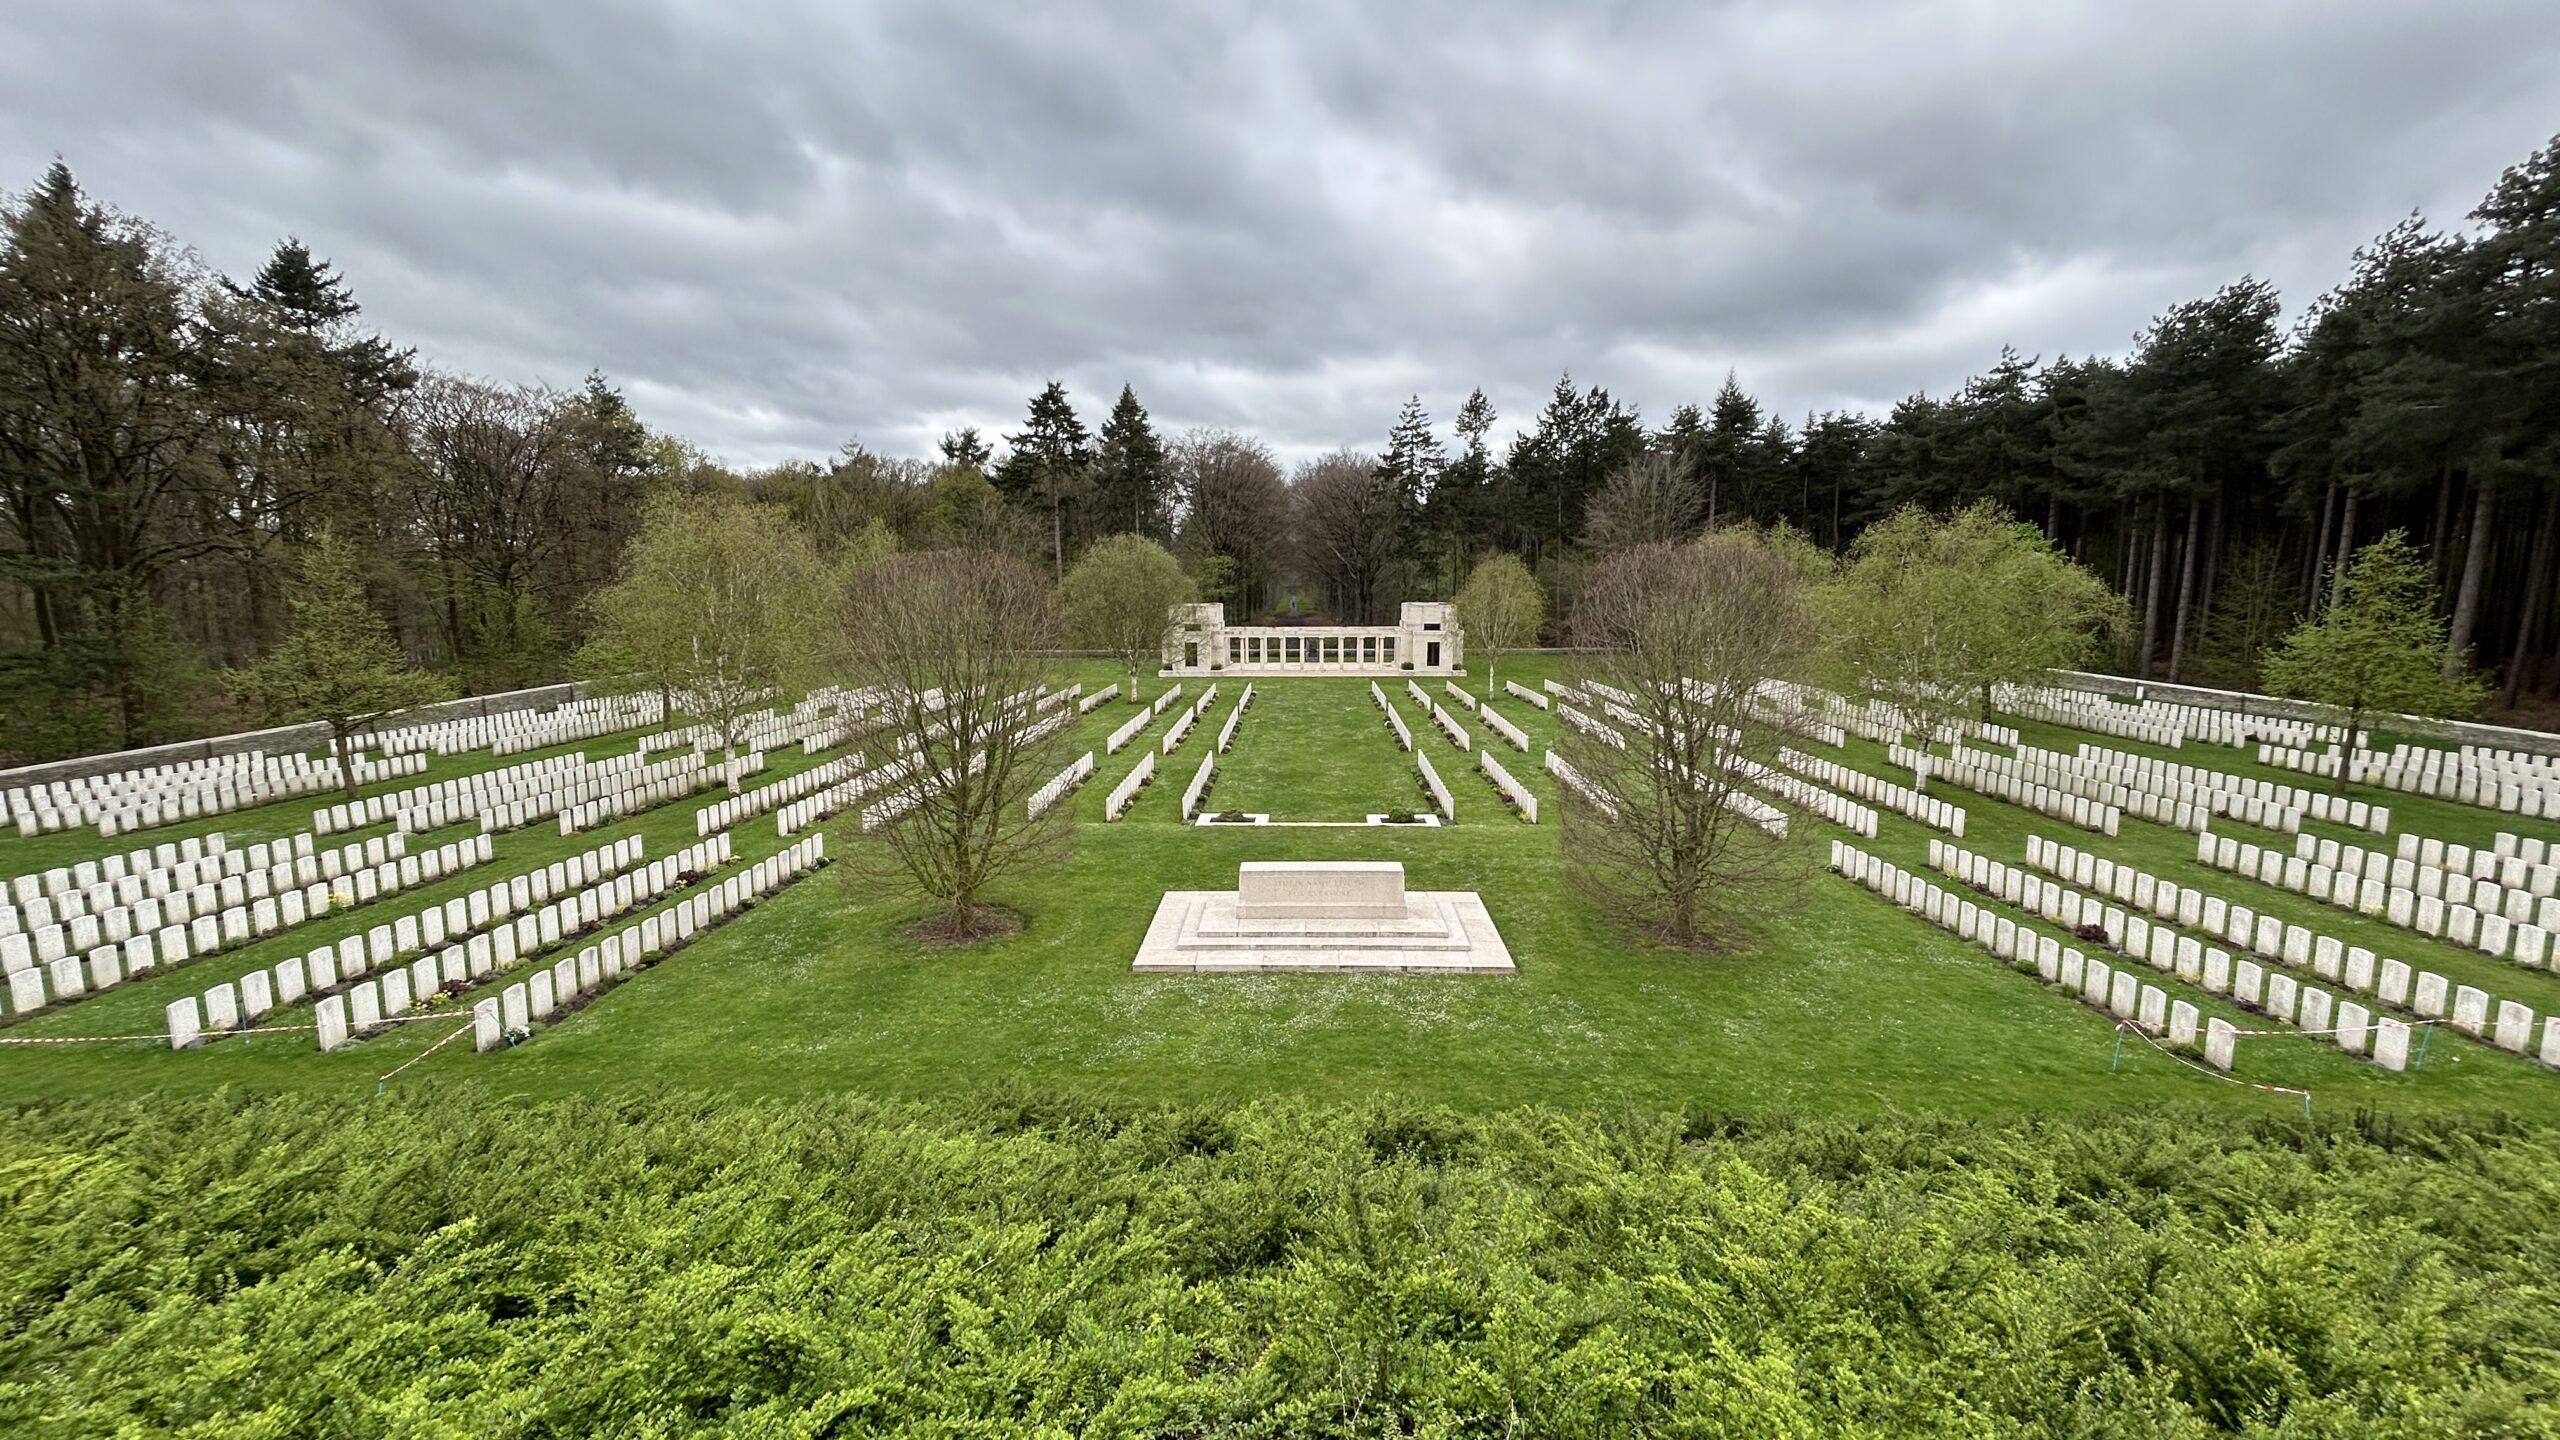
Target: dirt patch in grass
[[986, 922]]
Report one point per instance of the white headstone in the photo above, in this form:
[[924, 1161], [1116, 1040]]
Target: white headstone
[[2391, 1044], [2152, 1011], [2221, 1039], [2430, 999], [2393, 987], [331, 1013], [2470, 1010], [2248, 984], [2311, 1010], [222, 1008], [2515, 1026], [186, 1028], [2282, 991]]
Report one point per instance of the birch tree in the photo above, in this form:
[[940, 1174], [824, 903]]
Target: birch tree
[[1499, 610], [722, 604], [1930, 615], [1119, 598]]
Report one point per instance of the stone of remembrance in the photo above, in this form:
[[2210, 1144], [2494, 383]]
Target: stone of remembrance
[[1323, 915]]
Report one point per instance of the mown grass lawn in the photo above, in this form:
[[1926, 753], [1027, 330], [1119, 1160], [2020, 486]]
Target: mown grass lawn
[[1838, 1003]]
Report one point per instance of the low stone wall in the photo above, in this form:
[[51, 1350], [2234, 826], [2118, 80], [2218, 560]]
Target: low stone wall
[[282, 738]]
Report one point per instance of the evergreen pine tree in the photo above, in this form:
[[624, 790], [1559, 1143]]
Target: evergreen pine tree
[[1458, 512], [1051, 466], [1725, 464], [308, 292], [1131, 485], [965, 449]]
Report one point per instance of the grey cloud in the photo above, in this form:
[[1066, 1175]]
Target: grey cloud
[[781, 226]]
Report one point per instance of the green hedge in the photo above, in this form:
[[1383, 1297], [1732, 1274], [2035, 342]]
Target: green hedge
[[664, 1265]]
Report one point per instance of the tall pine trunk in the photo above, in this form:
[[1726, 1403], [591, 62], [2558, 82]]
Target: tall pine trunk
[[2466, 605], [338, 738], [2318, 560], [2346, 549], [2151, 585], [2186, 587], [2212, 567], [2537, 583], [2440, 554]]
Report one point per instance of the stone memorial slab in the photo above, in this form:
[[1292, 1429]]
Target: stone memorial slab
[[1322, 915]]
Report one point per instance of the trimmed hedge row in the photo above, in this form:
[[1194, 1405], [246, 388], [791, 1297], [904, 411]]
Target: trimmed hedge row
[[668, 1264]]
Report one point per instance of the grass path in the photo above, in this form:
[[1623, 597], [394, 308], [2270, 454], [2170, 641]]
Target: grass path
[[1317, 751]]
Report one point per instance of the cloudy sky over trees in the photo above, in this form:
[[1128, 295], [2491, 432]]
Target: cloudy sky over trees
[[782, 229]]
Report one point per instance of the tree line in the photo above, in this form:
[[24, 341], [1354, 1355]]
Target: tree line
[[171, 441]]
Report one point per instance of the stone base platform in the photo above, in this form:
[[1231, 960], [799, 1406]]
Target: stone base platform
[[1438, 931]]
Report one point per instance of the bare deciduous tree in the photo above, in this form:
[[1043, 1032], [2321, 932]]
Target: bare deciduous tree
[[1675, 640], [1349, 526], [954, 643], [1235, 507], [1655, 496]]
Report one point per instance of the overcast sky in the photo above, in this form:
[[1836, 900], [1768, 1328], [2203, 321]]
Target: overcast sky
[[780, 226]]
